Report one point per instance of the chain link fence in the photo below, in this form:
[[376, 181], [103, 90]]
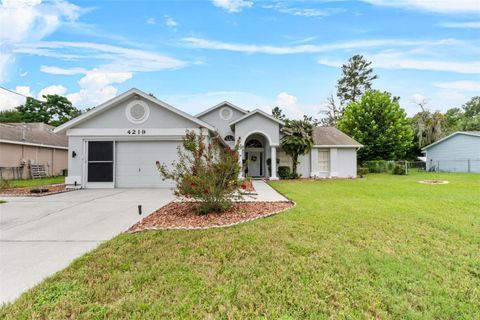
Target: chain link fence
[[467, 165], [403, 167]]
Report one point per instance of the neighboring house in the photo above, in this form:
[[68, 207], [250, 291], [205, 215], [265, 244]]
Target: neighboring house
[[117, 143], [458, 152], [22, 144]]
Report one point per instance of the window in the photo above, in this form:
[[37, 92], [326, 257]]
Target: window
[[285, 159], [253, 143], [229, 138], [323, 160]]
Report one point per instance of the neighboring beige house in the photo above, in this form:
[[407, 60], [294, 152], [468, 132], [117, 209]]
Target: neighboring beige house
[[22, 144]]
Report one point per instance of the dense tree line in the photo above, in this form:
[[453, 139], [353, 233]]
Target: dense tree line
[[53, 110]]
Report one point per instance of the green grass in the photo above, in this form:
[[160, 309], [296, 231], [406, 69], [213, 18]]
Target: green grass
[[380, 247], [36, 182]]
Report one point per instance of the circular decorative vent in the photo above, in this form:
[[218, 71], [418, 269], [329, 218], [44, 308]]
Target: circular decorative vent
[[226, 113], [137, 111]]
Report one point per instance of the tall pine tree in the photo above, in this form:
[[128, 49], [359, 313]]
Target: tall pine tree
[[357, 77]]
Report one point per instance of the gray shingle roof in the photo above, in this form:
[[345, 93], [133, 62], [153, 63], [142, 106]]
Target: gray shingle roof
[[37, 133], [331, 136]]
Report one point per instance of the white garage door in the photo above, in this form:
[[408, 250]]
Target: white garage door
[[135, 163]]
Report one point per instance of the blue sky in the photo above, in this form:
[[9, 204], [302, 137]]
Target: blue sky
[[257, 54]]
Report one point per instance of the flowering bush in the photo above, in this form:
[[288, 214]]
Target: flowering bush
[[207, 172]]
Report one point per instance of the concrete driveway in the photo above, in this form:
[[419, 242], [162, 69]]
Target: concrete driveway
[[42, 235]]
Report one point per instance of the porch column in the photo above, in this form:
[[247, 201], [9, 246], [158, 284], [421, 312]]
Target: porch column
[[240, 162], [273, 158]]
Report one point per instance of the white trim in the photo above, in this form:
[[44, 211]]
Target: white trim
[[451, 135], [243, 140], [33, 144], [130, 93], [128, 111], [123, 132], [223, 103], [337, 146], [257, 111]]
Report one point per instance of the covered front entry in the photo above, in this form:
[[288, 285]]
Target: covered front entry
[[255, 157]]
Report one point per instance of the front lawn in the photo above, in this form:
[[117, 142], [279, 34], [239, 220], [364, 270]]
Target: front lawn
[[381, 247], [30, 183]]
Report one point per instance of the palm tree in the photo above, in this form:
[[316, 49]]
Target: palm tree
[[298, 140]]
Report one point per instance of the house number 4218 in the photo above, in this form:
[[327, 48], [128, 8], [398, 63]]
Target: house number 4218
[[137, 131]]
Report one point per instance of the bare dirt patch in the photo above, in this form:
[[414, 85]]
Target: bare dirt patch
[[181, 215], [433, 181], [27, 191]]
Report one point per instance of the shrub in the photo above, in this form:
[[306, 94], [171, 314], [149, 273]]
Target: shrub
[[5, 184], [379, 166], [207, 173], [399, 169], [361, 172], [284, 172]]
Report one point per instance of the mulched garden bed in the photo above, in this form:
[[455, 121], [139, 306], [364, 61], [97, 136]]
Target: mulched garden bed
[[26, 192], [181, 215]]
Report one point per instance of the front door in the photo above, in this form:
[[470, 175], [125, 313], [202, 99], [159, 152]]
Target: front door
[[255, 163]]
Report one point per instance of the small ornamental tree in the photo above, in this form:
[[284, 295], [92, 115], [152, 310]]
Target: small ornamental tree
[[206, 172]]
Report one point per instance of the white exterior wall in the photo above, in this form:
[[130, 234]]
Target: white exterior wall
[[162, 125], [342, 162], [223, 126], [75, 165], [258, 124], [453, 154], [347, 162]]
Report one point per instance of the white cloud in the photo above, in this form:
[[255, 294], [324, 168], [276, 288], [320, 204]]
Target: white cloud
[[150, 21], [96, 87], [288, 103], [310, 48], [233, 5], [53, 89], [465, 85], [462, 25], [30, 20], [441, 6], [24, 90], [399, 60], [62, 71], [10, 100], [114, 58], [170, 22], [300, 12]]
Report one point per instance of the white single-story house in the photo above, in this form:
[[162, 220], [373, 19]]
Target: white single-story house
[[458, 152], [116, 144]]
